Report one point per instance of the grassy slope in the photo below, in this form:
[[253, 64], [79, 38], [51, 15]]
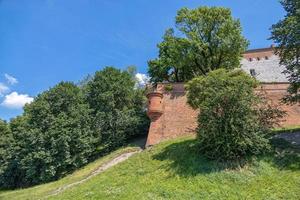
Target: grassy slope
[[41, 191], [173, 170]]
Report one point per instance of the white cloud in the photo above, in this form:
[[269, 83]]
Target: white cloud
[[3, 89], [142, 79], [15, 100], [10, 79]]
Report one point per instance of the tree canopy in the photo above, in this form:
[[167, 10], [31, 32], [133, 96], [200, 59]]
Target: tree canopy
[[51, 138], [66, 126], [205, 39], [5, 142], [118, 107], [286, 34]]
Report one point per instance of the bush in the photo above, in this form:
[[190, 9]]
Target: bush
[[232, 122], [118, 107], [51, 138]]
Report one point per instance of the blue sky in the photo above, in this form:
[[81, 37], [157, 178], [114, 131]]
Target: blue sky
[[43, 42]]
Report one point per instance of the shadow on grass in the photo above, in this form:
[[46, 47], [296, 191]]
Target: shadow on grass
[[285, 154], [186, 161]]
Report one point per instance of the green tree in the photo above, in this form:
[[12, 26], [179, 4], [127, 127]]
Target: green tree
[[14, 174], [118, 107], [5, 139], [286, 34], [52, 137], [5, 151], [233, 122], [206, 39]]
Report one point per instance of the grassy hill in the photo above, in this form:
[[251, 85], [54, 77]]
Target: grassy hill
[[174, 170]]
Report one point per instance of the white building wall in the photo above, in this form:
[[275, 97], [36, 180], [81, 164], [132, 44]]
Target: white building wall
[[267, 70]]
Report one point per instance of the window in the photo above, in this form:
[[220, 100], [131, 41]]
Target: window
[[252, 72]]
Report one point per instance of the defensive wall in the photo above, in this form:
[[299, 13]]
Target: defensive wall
[[171, 116]]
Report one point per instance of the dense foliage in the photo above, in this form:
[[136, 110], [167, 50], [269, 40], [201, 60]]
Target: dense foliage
[[207, 38], [286, 33], [5, 141], [118, 108], [64, 127], [233, 121], [51, 138]]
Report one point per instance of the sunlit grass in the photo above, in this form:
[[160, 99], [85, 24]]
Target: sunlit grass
[[175, 170], [43, 190], [287, 129]]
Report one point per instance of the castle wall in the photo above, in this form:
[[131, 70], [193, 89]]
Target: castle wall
[[178, 118]]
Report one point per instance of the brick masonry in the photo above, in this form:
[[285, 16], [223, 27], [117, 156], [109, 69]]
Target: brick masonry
[[173, 117]]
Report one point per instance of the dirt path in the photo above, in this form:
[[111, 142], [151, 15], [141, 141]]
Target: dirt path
[[100, 169], [293, 138]]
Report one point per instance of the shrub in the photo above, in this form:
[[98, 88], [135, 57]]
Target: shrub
[[51, 138], [232, 122]]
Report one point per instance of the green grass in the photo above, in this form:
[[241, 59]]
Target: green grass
[[288, 129], [40, 191], [174, 170]]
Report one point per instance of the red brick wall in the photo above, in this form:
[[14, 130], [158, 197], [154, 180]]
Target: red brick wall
[[178, 118], [259, 53]]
